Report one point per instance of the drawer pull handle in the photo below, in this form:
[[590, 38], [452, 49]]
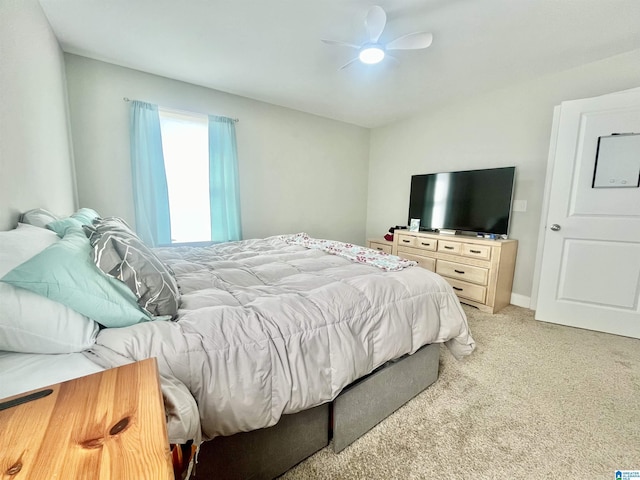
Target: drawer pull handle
[[406, 241], [458, 289], [461, 272], [425, 244], [448, 247], [379, 248], [475, 251]]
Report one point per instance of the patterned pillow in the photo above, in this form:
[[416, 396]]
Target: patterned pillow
[[120, 253]]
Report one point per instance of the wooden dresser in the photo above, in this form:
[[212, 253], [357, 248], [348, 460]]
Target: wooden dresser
[[480, 271], [380, 244], [109, 425]]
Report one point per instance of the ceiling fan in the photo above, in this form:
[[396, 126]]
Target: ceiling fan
[[373, 51]]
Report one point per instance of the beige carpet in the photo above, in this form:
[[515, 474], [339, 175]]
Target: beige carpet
[[534, 401]]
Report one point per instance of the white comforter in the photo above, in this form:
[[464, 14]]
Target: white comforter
[[266, 328]]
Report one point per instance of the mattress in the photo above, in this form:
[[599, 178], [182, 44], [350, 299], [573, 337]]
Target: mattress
[[22, 372]]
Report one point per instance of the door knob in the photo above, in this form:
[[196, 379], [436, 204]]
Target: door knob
[[555, 227]]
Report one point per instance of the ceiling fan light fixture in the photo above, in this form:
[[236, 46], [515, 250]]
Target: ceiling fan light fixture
[[374, 50], [371, 54]]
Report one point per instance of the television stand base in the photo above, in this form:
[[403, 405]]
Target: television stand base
[[444, 231]]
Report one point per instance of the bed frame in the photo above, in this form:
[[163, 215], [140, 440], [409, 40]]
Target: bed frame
[[269, 452]]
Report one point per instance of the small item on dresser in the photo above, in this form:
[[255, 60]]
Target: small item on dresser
[[389, 236], [415, 225]]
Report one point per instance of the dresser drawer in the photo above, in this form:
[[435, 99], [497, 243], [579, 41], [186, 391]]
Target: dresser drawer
[[467, 273], [425, 262], [468, 290], [449, 247], [383, 247], [426, 243], [478, 251], [406, 240]]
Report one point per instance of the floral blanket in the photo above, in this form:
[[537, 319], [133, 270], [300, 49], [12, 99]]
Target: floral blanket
[[355, 253]]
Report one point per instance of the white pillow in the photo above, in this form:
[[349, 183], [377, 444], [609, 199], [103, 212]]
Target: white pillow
[[29, 322], [19, 245], [38, 217]]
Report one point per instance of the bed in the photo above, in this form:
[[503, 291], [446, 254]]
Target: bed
[[275, 342]]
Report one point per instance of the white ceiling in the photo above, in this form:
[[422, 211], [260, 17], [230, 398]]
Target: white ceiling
[[270, 50]]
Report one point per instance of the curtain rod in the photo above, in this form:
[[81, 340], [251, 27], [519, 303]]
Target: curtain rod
[[236, 120]]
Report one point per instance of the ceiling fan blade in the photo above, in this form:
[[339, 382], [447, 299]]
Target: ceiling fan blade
[[348, 63], [339, 43], [374, 22], [412, 41]]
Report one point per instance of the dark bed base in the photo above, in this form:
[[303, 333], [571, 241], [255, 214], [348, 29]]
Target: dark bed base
[[269, 452]]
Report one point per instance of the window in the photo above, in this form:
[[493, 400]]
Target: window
[[184, 172], [185, 146]]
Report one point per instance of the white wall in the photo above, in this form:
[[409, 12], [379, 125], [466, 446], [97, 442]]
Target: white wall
[[35, 156], [298, 172], [511, 126]]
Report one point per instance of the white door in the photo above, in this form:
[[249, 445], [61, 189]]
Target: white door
[[590, 269]]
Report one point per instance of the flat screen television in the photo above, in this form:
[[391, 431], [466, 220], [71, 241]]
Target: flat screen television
[[467, 201]]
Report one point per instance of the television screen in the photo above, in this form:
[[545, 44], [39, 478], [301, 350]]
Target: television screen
[[469, 201]]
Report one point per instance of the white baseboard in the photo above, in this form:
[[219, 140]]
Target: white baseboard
[[520, 300]]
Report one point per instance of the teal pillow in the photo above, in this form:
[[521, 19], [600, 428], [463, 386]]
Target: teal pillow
[[65, 272], [84, 216], [61, 226]]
